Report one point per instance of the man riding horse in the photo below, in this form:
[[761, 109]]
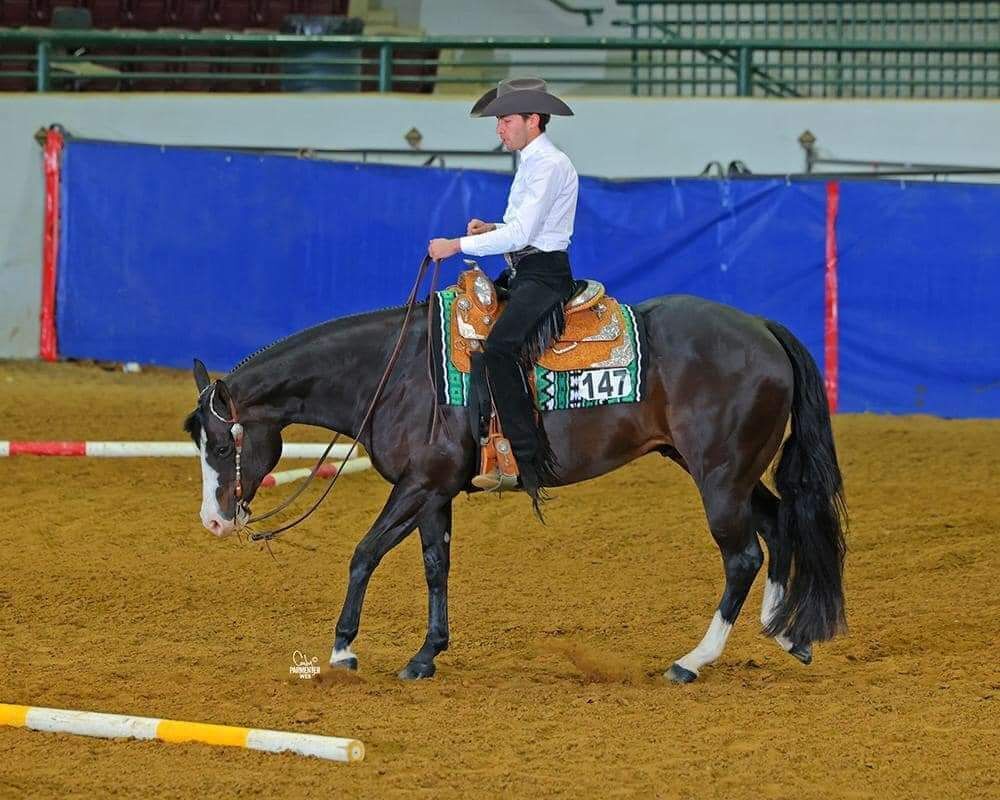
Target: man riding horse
[[721, 389], [533, 237]]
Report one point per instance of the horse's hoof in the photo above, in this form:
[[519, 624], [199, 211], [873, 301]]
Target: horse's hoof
[[417, 670], [803, 652], [346, 663], [679, 674]]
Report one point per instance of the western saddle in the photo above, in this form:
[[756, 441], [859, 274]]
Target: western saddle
[[594, 329]]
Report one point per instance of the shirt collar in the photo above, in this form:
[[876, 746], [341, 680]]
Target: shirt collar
[[538, 145]]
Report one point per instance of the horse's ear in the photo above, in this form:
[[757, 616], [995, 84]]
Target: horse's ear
[[201, 378], [225, 398]]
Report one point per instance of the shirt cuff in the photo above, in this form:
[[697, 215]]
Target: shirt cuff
[[465, 244]]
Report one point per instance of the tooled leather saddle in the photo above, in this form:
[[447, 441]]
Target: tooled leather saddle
[[594, 330], [594, 324]]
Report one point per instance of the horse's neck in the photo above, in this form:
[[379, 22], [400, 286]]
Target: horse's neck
[[326, 379]]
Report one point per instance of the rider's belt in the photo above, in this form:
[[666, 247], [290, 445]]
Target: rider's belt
[[513, 259]]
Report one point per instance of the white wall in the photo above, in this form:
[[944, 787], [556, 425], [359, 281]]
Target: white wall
[[515, 18], [528, 18], [609, 137]]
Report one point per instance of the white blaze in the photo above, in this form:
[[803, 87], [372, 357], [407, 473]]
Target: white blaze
[[209, 486]]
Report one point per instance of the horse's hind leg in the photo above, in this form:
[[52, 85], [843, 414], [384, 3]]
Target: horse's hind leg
[[779, 565], [731, 521]]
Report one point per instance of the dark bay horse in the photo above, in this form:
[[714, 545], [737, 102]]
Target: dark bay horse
[[721, 387]]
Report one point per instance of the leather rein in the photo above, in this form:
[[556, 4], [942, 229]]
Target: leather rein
[[237, 432]]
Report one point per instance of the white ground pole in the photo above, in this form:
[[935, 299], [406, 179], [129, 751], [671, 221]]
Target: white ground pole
[[328, 470], [114, 726], [147, 449]]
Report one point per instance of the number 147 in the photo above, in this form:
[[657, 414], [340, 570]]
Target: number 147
[[606, 383]]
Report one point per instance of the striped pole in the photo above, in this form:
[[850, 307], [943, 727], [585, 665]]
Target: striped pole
[[146, 449], [114, 726], [326, 471]]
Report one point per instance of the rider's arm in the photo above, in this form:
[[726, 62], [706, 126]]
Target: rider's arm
[[514, 234]]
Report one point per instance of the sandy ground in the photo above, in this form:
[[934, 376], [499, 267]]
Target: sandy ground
[[113, 598]]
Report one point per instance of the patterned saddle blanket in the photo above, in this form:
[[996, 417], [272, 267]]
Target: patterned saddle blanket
[[596, 361]]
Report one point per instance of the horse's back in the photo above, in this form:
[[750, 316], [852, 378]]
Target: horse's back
[[685, 331], [691, 308], [684, 315]]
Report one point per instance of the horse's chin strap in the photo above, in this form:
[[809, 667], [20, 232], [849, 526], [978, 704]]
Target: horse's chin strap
[[411, 301]]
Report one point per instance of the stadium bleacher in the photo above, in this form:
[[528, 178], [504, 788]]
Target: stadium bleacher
[[257, 16], [184, 14]]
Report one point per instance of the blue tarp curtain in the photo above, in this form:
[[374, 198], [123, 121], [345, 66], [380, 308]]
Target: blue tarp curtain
[[171, 253]]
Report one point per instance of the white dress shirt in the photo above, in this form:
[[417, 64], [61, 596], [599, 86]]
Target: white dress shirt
[[541, 206]]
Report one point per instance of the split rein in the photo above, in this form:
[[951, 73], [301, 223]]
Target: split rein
[[236, 428]]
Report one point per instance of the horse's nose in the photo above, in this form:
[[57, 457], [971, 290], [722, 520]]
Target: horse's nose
[[217, 526]]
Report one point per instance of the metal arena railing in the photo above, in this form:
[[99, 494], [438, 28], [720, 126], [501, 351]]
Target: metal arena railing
[[91, 60], [822, 20], [811, 71]]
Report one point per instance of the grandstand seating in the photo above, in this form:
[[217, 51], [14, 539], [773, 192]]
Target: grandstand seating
[[774, 59], [184, 14], [260, 16]]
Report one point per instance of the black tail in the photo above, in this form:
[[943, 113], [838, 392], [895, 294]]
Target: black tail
[[812, 512]]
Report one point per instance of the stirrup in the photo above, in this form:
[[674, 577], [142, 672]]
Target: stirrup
[[497, 466], [495, 481]]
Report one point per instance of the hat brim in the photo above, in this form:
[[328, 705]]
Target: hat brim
[[482, 102], [521, 101]]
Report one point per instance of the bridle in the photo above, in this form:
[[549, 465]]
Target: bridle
[[236, 427], [235, 430]]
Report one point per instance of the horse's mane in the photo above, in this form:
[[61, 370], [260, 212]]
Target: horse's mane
[[192, 424], [320, 326]]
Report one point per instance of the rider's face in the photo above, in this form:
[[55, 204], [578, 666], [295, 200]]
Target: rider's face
[[515, 131]]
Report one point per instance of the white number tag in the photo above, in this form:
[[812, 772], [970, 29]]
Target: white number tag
[[605, 384]]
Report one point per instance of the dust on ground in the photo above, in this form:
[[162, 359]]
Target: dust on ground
[[113, 598]]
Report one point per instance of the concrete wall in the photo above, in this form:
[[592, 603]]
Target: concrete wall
[[514, 18], [610, 137]]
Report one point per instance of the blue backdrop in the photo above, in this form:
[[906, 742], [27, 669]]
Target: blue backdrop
[[168, 253], [920, 298]]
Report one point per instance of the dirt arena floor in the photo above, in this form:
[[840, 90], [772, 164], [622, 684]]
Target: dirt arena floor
[[113, 598]]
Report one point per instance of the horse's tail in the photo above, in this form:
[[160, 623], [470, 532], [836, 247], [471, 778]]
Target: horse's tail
[[812, 512]]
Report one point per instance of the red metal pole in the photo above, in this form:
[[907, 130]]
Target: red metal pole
[[830, 327], [48, 346]]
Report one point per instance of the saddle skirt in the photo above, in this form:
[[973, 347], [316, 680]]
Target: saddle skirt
[[596, 333]]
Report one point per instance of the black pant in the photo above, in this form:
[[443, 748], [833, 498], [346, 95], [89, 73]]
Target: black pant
[[532, 319]]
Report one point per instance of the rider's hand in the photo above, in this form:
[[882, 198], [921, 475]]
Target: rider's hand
[[443, 248], [477, 226]]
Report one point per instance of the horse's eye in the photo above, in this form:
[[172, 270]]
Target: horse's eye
[[222, 450]]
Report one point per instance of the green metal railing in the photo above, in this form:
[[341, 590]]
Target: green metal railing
[[844, 73], [128, 61], [827, 20]]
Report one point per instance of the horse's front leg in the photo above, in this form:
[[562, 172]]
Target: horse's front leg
[[396, 521], [435, 539]]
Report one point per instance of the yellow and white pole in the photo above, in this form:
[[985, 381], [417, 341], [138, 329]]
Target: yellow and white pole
[[113, 726]]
